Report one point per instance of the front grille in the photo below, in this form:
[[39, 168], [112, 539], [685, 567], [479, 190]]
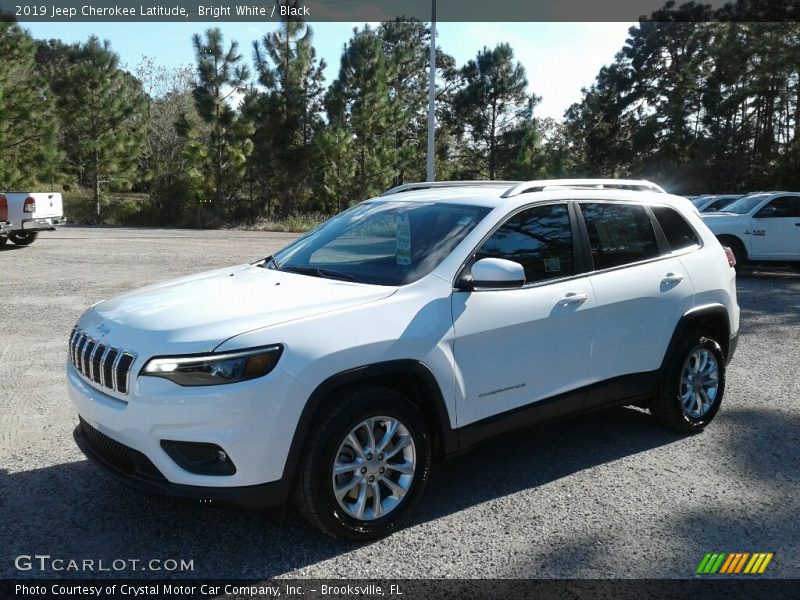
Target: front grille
[[119, 456], [106, 366]]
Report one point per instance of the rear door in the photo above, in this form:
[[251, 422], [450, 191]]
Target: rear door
[[640, 289], [776, 230]]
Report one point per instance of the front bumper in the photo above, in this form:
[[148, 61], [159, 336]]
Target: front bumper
[[44, 224], [5, 227], [134, 470], [253, 422]]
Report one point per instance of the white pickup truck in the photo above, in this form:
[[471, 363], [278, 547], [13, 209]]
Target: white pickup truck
[[762, 228], [30, 213]]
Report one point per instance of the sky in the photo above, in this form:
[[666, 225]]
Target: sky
[[560, 58]]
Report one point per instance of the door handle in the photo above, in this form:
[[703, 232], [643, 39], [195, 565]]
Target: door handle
[[574, 298], [673, 278]]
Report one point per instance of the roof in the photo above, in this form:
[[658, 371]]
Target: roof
[[496, 193]]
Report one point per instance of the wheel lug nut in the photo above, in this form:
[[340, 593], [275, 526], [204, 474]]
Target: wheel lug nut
[[371, 478], [363, 469], [380, 456], [369, 455], [381, 470]]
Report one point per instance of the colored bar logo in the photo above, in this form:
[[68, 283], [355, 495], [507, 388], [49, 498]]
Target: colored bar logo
[[733, 563]]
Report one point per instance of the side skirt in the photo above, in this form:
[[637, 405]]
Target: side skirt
[[612, 392]]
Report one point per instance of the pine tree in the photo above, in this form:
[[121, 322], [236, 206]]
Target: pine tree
[[290, 110], [359, 101], [28, 149], [102, 112], [494, 100], [219, 76]]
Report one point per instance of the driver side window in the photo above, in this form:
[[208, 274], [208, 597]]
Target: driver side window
[[538, 238], [785, 206]]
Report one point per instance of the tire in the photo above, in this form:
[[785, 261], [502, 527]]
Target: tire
[[3, 240], [679, 403], [23, 239], [356, 410]]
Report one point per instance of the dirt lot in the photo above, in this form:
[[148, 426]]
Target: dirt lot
[[605, 496]]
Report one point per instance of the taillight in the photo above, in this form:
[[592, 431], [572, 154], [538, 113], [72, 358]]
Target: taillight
[[3, 208], [29, 206], [731, 257]]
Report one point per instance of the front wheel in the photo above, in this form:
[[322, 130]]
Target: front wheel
[[23, 239], [366, 467], [692, 386]]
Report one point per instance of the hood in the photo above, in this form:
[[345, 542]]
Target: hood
[[198, 312]]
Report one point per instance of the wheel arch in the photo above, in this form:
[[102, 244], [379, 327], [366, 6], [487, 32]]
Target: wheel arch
[[731, 240], [409, 377], [711, 319]]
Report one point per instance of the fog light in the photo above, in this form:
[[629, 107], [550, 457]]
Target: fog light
[[200, 458]]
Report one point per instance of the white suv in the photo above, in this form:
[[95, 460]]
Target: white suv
[[408, 328], [761, 228]]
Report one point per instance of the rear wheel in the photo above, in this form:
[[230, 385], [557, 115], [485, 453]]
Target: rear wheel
[[693, 385], [24, 239], [366, 467], [3, 240]]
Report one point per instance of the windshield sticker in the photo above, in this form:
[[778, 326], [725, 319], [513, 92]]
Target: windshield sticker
[[403, 235], [552, 265]]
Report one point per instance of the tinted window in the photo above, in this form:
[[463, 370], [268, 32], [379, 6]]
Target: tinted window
[[785, 206], [539, 238], [678, 232], [619, 234], [384, 243], [744, 205]]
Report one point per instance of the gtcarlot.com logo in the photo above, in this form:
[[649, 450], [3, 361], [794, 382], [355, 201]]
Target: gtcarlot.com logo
[[734, 563], [45, 562]]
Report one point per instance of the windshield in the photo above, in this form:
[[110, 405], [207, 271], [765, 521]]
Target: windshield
[[384, 243], [744, 205]]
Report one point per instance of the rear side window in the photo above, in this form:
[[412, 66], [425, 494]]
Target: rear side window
[[678, 232], [539, 238], [619, 234]]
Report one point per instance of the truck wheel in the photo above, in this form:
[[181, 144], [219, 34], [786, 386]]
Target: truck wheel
[[692, 386], [366, 466], [24, 239], [737, 247], [3, 240]]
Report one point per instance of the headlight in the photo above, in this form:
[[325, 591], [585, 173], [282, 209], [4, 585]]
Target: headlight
[[214, 369]]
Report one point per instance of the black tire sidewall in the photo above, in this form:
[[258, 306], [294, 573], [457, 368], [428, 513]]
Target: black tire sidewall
[[318, 464], [24, 239], [690, 345]]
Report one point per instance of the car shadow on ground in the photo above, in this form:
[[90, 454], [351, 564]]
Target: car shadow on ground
[[74, 511], [761, 515]]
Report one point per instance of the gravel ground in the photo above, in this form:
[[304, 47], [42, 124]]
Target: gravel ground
[[609, 495]]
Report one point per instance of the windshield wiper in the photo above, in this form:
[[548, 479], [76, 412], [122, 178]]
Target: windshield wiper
[[270, 263], [320, 272]]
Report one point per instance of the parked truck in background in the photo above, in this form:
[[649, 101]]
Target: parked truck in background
[[31, 213], [5, 224]]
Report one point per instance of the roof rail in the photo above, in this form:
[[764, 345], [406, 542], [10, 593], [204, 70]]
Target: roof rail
[[427, 185], [597, 184]]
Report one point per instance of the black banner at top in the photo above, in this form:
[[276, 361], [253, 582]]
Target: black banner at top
[[361, 10]]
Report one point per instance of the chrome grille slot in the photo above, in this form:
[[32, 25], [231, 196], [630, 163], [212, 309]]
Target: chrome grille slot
[[97, 361], [86, 358], [123, 370], [101, 364]]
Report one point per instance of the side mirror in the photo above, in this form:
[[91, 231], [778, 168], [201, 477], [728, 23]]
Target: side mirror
[[766, 212], [495, 273]]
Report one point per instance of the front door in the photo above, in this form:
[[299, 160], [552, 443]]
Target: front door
[[514, 347]]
